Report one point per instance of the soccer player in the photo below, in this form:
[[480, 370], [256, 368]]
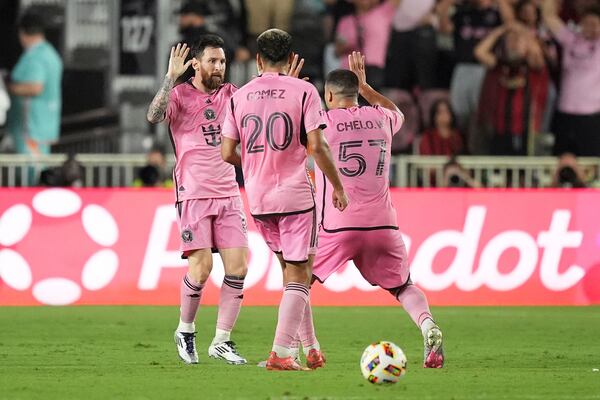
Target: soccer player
[[360, 138], [209, 207], [275, 117]]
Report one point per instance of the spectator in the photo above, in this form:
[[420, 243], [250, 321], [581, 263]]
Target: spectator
[[472, 21], [513, 97], [442, 138], [577, 122], [35, 88], [412, 51], [367, 30], [456, 176], [529, 14], [4, 102], [266, 14], [197, 18], [69, 174], [568, 173], [154, 173]]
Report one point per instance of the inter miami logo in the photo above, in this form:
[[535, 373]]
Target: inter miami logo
[[209, 114], [187, 236], [212, 135]]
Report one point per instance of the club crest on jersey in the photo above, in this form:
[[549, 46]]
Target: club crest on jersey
[[209, 114], [212, 135], [187, 236]]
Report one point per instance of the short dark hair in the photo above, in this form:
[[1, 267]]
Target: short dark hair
[[32, 23], [592, 10], [195, 8], [274, 46], [205, 41], [345, 80]]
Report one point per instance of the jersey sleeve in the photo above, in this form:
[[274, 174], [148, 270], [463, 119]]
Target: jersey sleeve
[[313, 114], [565, 36], [29, 71], [173, 106], [395, 118], [230, 127]]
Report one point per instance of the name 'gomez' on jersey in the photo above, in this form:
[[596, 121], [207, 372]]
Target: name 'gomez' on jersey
[[360, 139], [195, 122], [270, 116]]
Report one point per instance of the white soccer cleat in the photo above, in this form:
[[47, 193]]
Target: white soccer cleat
[[227, 352], [434, 351], [186, 347]]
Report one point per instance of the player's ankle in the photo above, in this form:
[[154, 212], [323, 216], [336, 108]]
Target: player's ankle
[[281, 351], [426, 325], [314, 346], [187, 327], [221, 336]]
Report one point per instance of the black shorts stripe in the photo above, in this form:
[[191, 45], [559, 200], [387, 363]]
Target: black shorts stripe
[[313, 235], [259, 216]]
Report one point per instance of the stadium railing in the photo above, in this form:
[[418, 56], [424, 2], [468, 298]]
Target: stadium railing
[[490, 172], [120, 170]]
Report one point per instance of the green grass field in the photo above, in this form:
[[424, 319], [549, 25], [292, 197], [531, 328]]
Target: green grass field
[[127, 353]]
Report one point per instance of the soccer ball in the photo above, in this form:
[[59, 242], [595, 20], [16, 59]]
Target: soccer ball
[[383, 362]]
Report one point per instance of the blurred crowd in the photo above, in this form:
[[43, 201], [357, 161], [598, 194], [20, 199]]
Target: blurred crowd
[[480, 77], [473, 77]]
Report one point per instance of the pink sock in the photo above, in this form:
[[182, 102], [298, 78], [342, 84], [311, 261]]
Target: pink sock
[[307, 328], [191, 292], [291, 312], [415, 303], [230, 302]]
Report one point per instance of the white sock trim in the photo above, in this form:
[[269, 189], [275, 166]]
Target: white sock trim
[[221, 336], [186, 327], [282, 352]]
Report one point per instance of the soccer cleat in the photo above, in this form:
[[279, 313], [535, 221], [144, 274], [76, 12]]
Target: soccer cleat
[[315, 359], [186, 347], [295, 355], [434, 350], [275, 363], [226, 351]]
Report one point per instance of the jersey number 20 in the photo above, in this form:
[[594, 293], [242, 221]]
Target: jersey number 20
[[257, 129]]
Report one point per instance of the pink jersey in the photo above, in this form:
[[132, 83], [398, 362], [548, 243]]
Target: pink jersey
[[195, 122], [360, 139], [270, 116]]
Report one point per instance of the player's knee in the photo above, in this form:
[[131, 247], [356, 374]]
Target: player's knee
[[239, 269], [200, 271]]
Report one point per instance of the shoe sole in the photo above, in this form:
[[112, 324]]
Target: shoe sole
[[435, 358], [228, 361]]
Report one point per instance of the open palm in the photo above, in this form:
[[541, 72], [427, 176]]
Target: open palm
[[177, 63]]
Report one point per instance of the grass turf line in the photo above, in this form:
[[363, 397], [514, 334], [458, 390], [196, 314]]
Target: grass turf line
[[128, 353]]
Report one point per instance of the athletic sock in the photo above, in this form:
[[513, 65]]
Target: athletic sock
[[291, 313], [230, 302], [306, 332], [413, 300], [190, 295]]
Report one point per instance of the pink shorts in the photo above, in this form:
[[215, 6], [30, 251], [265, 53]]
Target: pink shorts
[[294, 236], [379, 255], [212, 224]]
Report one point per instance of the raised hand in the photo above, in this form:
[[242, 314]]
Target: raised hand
[[296, 67], [356, 62], [177, 63]]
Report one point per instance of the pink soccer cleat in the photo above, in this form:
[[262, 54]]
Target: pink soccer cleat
[[275, 363], [315, 359]]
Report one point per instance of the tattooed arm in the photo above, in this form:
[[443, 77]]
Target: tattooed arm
[[158, 108], [177, 66]]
